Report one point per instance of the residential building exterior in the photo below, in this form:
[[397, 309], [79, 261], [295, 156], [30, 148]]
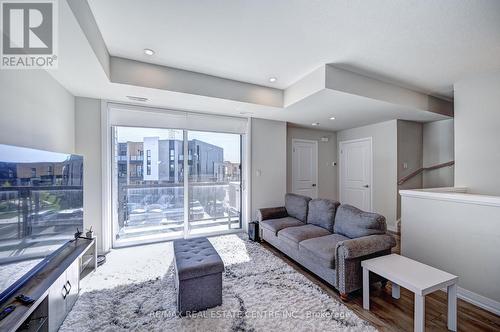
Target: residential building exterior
[[66, 173], [155, 161]]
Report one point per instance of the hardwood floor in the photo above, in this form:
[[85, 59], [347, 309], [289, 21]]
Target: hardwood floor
[[388, 314]]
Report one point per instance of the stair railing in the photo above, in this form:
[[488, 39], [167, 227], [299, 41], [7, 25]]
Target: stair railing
[[420, 170]]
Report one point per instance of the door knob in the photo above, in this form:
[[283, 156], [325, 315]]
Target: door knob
[[366, 186], [314, 185]]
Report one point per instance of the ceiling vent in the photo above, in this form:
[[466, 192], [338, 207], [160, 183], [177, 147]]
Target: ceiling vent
[[141, 99]]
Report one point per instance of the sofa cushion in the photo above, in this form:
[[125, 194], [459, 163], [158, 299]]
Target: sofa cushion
[[296, 206], [322, 213], [276, 225], [272, 213], [294, 235], [321, 250], [353, 222]]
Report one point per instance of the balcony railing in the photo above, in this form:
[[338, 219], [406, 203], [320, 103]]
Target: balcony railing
[[160, 207], [40, 211], [36, 217]]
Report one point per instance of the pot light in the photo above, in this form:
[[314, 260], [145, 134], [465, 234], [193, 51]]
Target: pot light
[[315, 124], [332, 118], [272, 79], [149, 51]]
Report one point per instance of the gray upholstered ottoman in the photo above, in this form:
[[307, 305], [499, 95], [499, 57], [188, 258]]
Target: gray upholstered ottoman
[[198, 272]]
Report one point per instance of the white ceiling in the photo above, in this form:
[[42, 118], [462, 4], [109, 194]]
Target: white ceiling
[[423, 44], [350, 111]]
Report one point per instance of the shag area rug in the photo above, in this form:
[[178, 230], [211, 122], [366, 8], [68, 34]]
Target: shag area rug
[[260, 293]]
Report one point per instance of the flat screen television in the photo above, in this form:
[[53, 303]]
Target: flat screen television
[[41, 207]]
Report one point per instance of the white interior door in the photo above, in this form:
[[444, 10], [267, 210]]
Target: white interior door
[[305, 167], [356, 173]]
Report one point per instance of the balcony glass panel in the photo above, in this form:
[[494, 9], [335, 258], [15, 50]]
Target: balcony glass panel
[[150, 193], [214, 182]]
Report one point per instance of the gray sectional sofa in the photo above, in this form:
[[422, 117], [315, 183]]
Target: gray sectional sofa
[[326, 238]]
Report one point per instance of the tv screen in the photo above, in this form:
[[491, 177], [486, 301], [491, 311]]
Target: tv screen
[[41, 207]]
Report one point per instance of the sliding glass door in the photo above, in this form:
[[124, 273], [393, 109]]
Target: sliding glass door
[[151, 202], [214, 174]]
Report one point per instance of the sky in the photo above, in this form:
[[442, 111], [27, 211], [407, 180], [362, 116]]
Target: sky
[[229, 142], [15, 154]]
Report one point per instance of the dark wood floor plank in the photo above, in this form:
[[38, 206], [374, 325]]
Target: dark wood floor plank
[[388, 314]]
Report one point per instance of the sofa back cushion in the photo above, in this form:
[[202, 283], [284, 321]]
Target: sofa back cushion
[[322, 213], [353, 222], [296, 206]]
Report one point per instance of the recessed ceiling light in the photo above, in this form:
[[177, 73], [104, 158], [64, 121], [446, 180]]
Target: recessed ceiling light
[[246, 113], [134, 98], [332, 118], [149, 51], [272, 79], [315, 124]]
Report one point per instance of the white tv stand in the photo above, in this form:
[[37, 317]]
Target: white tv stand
[[55, 288]]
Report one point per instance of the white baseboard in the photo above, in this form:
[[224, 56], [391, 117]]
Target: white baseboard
[[478, 300]]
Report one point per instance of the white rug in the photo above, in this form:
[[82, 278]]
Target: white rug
[[134, 291]]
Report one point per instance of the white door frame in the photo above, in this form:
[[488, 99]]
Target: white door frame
[[341, 145], [294, 140], [106, 237]]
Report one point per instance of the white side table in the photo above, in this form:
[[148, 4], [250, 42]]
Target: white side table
[[419, 278]]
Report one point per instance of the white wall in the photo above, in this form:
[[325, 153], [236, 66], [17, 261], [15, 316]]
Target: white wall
[[268, 164], [88, 144], [384, 136], [327, 154], [477, 133], [457, 233], [36, 111], [410, 149], [438, 138]]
